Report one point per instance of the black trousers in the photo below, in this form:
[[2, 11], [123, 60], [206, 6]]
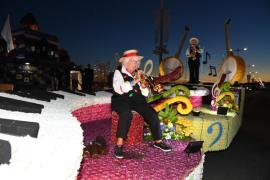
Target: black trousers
[[123, 105], [194, 67], [88, 86]]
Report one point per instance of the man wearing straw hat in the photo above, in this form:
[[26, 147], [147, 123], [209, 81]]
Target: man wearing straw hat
[[193, 54], [129, 94]]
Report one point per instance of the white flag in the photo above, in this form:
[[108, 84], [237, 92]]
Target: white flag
[[6, 34]]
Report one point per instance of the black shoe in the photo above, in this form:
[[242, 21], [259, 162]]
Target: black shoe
[[163, 146], [118, 152]]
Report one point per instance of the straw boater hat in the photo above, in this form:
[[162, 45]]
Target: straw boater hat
[[194, 41], [131, 54]]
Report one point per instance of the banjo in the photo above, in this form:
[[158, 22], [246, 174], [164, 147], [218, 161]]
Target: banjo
[[233, 66], [232, 69], [172, 67]]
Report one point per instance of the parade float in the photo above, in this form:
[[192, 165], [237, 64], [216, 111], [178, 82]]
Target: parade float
[[70, 135], [216, 125], [212, 114]]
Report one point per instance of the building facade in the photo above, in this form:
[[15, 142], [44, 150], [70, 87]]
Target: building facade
[[36, 49]]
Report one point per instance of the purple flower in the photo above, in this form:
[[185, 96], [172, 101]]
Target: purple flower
[[172, 128], [162, 126]]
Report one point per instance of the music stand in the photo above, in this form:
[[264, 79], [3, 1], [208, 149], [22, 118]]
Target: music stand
[[222, 110], [193, 147]]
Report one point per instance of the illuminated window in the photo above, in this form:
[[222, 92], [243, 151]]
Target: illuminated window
[[34, 27]]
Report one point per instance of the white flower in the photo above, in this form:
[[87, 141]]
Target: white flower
[[168, 136]]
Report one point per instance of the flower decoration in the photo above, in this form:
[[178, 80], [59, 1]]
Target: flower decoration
[[171, 126], [168, 115], [184, 127], [226, 98]]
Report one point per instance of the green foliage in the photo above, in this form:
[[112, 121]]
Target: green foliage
[[225, 87], [148, 137], [168, 113], [154, 98], [176, 90], [173, 90]]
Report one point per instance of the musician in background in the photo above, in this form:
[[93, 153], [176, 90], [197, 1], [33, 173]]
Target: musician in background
[[130, 94], [193, 54], [88, 79]]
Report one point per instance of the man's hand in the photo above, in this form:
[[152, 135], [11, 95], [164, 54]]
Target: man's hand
[[142, 79], [138, 76], [142, 85], [140, 73], [136, 80]]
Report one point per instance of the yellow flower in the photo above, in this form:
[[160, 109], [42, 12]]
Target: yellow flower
[[170, 125], [184, 126]]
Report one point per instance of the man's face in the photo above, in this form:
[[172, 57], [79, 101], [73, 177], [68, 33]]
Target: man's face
[[132, 65]]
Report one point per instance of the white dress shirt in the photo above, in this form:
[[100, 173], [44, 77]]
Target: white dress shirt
[[120, 86]]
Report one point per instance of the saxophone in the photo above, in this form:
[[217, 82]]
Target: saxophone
[[193, 53]]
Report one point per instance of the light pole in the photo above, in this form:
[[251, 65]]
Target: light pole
[[238, 50], [250, 66], [250, 74]]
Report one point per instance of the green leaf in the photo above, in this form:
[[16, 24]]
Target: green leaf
[[171, 108], [162, 113], [167, 109], [174, 112]]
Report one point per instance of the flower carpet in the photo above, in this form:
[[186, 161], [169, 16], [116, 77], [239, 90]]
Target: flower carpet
[[141, 161]]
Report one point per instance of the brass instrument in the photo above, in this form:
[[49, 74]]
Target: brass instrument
[[149, 83], [193, 53]]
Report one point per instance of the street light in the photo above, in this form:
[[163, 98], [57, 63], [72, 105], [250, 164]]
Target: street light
[[250, 66], [251, 72], [239, 50]]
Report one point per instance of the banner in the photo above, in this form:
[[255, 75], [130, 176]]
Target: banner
[[6, 34]]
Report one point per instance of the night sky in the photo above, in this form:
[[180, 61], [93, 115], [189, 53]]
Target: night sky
[[93, 31]]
